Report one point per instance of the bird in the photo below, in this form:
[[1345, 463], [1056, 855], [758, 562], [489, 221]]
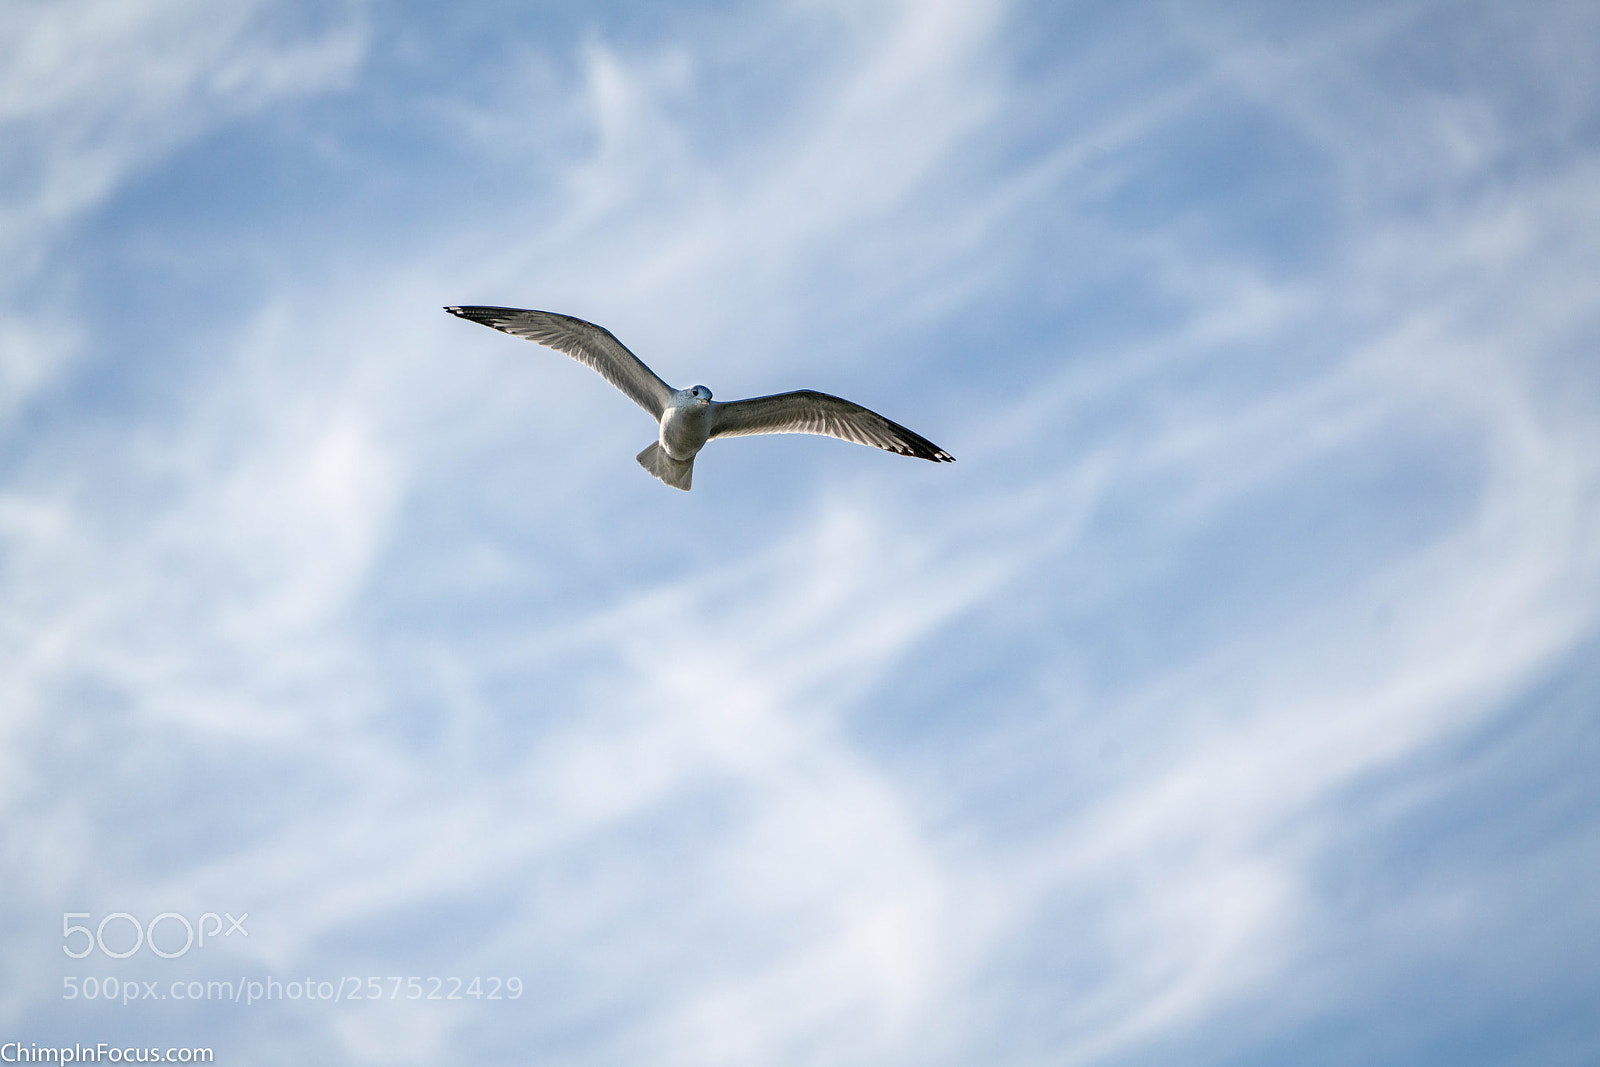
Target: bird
[[688, 418]]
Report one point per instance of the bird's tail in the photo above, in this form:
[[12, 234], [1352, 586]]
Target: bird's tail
[[675, 472]]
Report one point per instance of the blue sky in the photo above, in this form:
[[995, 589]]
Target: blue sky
[[1232, 700]]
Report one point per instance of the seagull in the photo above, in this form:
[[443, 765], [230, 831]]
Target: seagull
[[689, 417]]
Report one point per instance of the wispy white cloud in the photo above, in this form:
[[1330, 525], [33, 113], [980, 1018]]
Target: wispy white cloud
[[92, 91]]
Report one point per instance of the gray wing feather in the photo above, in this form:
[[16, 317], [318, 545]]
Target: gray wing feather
[[807, 411], [593, 346]]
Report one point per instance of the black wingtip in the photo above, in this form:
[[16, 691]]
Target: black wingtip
[[484, 316], [922, 448]]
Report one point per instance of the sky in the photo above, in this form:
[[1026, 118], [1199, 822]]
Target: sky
[[1233, 700]]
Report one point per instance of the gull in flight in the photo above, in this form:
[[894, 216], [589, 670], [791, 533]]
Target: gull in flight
[[689, 417]]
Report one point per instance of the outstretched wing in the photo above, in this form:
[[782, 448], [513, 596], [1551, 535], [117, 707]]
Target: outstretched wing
[[807, 411], [591, 345]]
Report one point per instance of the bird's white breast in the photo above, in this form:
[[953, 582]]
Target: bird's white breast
[[685, 427]]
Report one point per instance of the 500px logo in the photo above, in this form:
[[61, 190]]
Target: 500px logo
[[146, 933]]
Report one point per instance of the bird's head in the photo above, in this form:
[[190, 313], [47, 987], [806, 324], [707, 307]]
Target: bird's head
[[700, 393]]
